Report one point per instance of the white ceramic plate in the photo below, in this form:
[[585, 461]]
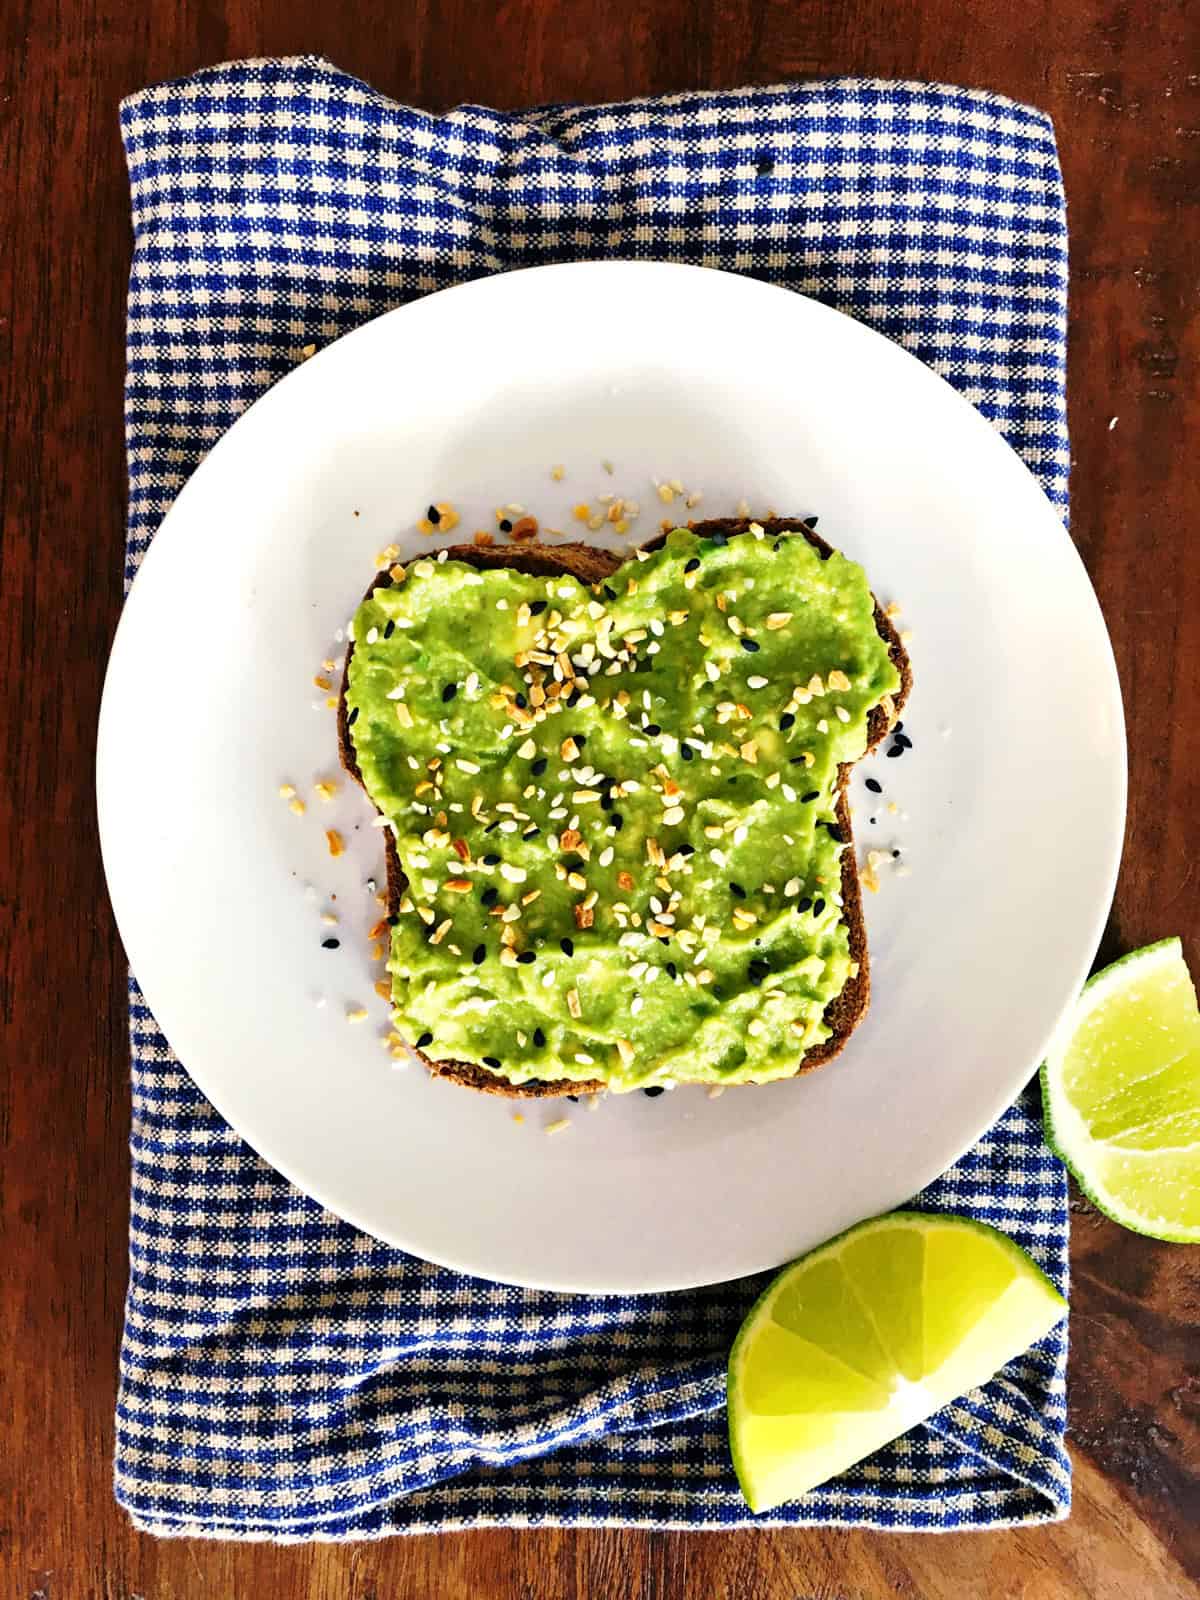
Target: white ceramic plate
[[1010, 805]]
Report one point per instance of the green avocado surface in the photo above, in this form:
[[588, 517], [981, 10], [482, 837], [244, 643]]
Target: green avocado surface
[[615, 805]]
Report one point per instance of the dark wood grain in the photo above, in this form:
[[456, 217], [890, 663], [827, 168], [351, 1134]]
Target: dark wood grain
[[1122, 80]]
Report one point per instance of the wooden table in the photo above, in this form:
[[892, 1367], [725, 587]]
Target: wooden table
[[1122, 80]]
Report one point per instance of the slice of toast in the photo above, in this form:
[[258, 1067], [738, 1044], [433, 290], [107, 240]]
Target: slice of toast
[[591, 564]]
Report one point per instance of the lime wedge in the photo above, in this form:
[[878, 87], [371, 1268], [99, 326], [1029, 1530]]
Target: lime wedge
[[1121, 1091], [870, 1334]]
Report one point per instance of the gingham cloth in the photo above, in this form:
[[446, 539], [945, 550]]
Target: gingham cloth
[[283, 1376]]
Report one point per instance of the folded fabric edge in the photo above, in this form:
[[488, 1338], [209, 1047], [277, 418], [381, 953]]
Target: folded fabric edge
[[1042, 1513], [316, 65]]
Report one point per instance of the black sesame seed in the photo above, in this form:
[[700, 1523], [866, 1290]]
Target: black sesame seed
[[894, 751], [505, 525], [330, 944], [539, 1038], [813, 794], [686, 751], [899, 728], [567, 946], [520, 700], [672, 970], [492, 826], [874, 785], [749, 644], [393, 922], [895, 854], [810, 522], [653, 729], [423, 1040], [611, 593], [691, 565], [765, 167], [492, 1061], [804, 904], [653, 1092], [606, 802], [786, 721], [538, 767], [579, 738], [491, 860], [835, 833], [489, 897], [818, 907], [527, 958], [389, 628], [531, 832], [686, 850], [573, 698], [450, 690], [618, 821], [574, 1099], [736, 888], [903, 740], [352, 718], [478, 954], [536, 607], [757, 971]]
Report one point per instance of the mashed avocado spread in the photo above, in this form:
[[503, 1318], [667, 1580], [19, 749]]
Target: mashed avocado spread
[[615, 805]]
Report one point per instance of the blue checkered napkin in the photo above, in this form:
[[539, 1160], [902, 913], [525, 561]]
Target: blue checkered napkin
[[283, 1376]]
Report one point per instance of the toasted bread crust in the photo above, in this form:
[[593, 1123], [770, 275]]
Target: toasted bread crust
[[591, 564]]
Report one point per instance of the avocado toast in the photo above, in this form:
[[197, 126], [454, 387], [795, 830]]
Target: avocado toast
[[619, 849]]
